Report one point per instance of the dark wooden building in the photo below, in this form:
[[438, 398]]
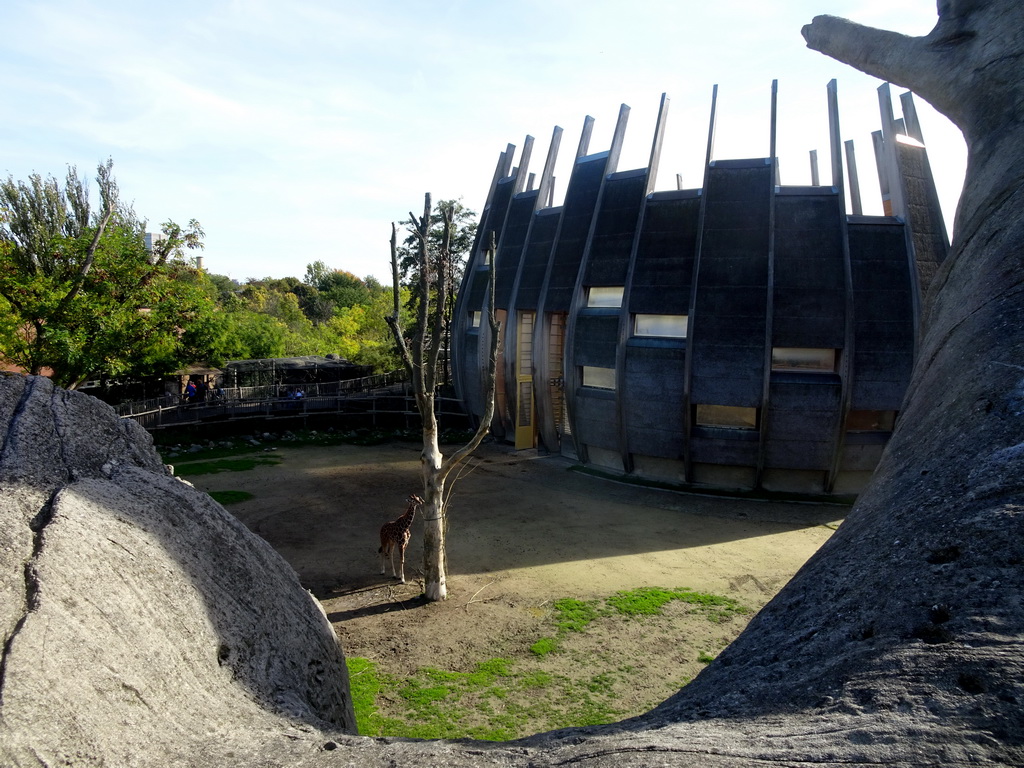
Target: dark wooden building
[[743, 335]]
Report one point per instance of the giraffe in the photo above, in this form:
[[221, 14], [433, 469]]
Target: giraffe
[[395, 535]]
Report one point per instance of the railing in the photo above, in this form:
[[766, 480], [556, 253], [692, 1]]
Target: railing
[[381, 396]]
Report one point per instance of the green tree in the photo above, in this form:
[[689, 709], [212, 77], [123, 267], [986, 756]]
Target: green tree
[[223, 290], [261, 336], [375, 345], [345, 289], [86, 297], [275, 317]]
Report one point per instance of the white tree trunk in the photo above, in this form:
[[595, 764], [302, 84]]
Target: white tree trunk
[[435, 565]]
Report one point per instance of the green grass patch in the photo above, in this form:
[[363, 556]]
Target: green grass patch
[[574, 615], [441, 704], [536, 679], [223, 465], [544, 646], [649, 601], [366, 684], [705, 658], [230, 497], [497, 701], [503, 699]]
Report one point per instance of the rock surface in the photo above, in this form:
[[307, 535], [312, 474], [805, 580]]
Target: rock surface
[[140, 620], [143, 627]]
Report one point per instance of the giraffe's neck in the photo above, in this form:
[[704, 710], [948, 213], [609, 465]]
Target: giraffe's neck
[[405, 521]]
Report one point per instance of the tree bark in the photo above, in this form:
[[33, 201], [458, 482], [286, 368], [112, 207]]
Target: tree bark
[[435, 565]]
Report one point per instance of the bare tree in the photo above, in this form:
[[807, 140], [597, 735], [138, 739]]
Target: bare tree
[[421, 354]]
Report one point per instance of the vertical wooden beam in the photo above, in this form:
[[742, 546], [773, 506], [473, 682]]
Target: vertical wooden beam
[[709, 155], [693, 324], [815, 179], [461, 309], [851, 172], [617, 139], [588, 129], [846, 355], [878, 144], [541, 394], [510, 152], [656, 144], [578, 297], [889, 147], [911, 123], [498, 175], [545, 190], [524, 165], [762, 439], [625, 325], [835, 140], [542, 325]]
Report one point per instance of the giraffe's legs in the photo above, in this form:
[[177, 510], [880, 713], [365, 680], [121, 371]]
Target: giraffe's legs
[[387, 554], [401, 563]]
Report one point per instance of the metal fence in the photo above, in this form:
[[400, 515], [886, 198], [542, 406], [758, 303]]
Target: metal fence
[[382, 397]]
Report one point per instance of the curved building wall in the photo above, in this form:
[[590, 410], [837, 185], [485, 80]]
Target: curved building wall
[[743, 335]]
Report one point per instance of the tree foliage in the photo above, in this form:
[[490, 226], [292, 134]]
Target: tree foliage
[[81, 296], [84, 296], [328, 311]]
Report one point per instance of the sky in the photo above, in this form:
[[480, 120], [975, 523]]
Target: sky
[[299, 131]]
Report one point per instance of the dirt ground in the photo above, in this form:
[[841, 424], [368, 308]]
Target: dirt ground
[[524, 530]]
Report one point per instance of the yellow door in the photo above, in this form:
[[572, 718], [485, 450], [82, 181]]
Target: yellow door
[[556, 381], [525, 432]]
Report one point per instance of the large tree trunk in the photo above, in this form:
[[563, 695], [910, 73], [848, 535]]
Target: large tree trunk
[[435, 566]]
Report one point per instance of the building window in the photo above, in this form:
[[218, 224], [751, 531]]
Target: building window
[[870, 421], [670, 326], [605, 296], [474, 319], [804, 359], [599, 378], [728, 416]]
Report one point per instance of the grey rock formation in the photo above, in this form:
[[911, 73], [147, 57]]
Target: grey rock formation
[[898, 643], [140, 620]]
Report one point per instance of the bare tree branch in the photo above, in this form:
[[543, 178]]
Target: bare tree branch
[[444, 255], [394, 320], [423, 378]]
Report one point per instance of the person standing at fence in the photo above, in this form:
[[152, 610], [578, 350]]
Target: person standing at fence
[[190, 391]]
